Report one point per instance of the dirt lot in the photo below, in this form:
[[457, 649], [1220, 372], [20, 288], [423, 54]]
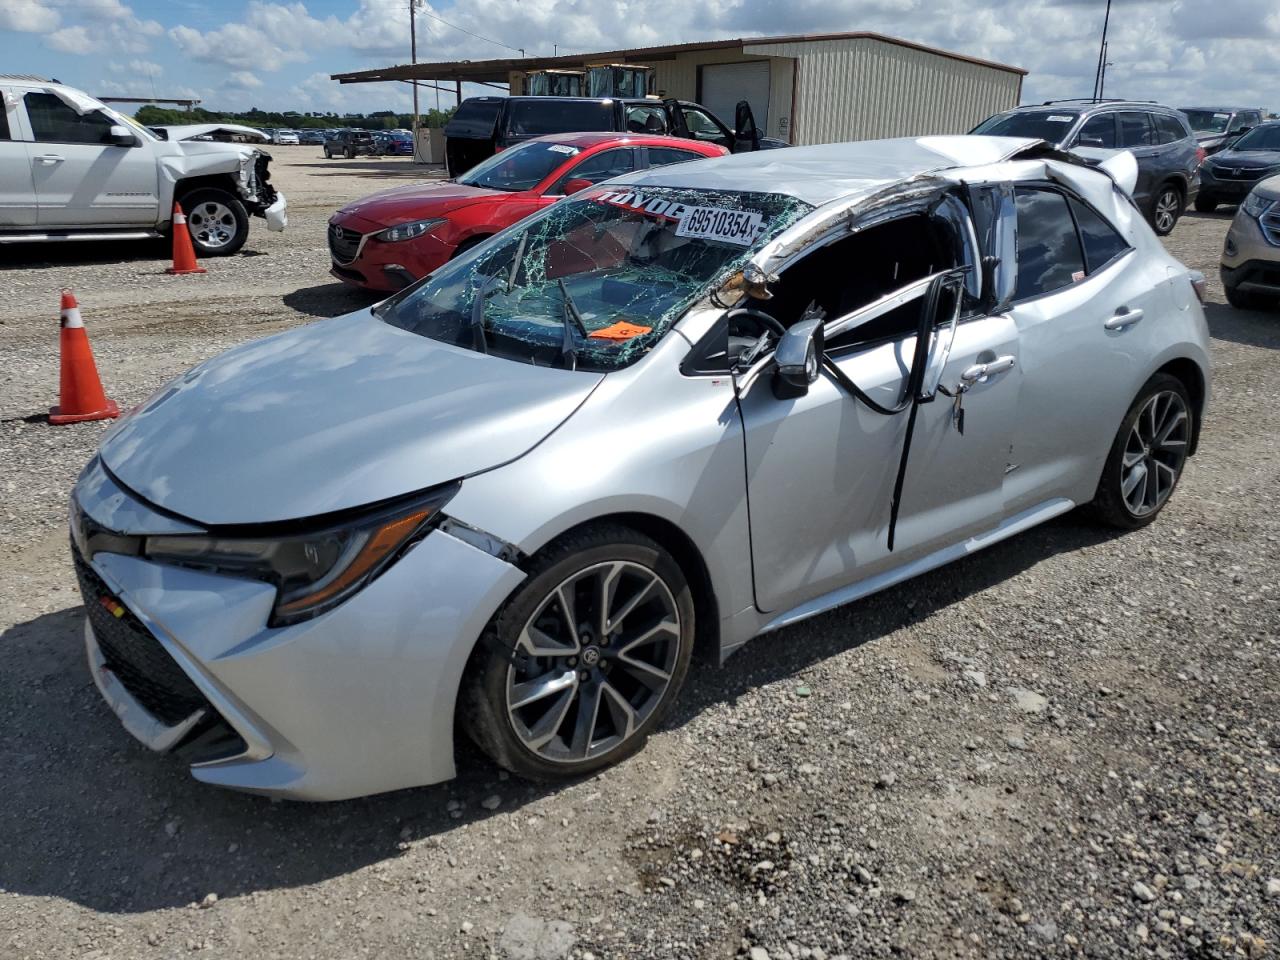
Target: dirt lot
[[1066, 745]]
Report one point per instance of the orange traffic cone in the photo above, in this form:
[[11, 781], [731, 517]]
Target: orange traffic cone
[[80, 394], [184, 254]]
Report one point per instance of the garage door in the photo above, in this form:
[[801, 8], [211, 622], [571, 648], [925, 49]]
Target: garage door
[[724, 84]]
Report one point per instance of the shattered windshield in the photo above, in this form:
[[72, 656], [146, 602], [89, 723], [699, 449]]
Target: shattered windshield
[[520, 168], [594, 281]]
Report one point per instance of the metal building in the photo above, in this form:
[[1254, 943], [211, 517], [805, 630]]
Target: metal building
[[802, 89]]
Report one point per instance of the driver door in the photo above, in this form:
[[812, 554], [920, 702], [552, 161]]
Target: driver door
[[821, 467], [81, 178]]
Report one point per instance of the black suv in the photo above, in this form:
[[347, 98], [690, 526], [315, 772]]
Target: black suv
[[484, 125], [349, 144], [1159, 137]]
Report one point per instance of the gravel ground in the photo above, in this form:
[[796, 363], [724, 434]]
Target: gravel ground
[[1066, 745]]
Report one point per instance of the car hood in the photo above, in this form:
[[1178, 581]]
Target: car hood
[[190, 131], [417, 201], [1248, 159], [337, 414]]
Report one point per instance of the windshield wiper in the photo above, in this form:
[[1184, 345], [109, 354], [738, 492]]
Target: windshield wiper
[[478, 340], [572, 320]]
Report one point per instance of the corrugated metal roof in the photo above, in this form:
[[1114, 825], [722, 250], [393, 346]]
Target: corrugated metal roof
[[498, 70]]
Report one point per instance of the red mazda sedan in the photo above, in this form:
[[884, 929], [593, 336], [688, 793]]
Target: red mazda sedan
[[390, 239]]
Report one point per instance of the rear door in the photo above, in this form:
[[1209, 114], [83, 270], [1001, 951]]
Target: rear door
[[17, 188], [1137, 134], [1084, 309], [82, 179]]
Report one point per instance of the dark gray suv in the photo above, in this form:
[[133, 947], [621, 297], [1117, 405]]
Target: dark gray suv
[[1167, 153]]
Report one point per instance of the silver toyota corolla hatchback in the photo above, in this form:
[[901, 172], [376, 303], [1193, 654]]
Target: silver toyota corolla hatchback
[[677, 410]]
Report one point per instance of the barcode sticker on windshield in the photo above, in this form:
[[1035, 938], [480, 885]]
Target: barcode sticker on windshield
[[1059, 118], [714, 223], [562, 148]]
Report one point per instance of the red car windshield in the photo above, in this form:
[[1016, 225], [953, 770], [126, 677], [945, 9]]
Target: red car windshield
[[520, 168]]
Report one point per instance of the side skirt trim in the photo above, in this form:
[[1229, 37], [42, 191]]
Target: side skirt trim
[[856, 591]]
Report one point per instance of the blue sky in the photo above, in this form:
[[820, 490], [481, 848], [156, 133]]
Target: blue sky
[[235, 54]]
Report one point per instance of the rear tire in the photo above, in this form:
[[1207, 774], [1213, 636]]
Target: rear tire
[[1147, 455], [584, 660], [349, 153], [1205, 204], [217, 221], [1166, 208], [327, 154]]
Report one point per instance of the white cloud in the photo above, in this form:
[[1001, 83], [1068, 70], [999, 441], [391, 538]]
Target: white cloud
[[70, 40], [28, 16], [244, 80]]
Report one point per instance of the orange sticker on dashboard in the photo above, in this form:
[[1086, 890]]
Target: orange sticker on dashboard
[[620, 331]]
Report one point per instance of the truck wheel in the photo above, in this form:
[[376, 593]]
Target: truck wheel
[[217, 221]]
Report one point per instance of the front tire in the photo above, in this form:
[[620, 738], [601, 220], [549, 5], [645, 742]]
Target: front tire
[[1147, 456], [1166, 208], [217, 221], [585, 658]]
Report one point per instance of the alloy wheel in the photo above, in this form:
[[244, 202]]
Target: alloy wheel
[[1167, 210], [211, 224], [593, 661], [1155, 453]]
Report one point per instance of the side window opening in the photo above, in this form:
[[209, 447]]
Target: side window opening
[[53, 121], [663, 156], [1098, 131], [851, 273], [1135, 129], [1049, 252], [598, 168], [4, 120]]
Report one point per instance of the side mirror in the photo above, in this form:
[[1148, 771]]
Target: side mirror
[[798, 359], [574, 184], [120, 136]]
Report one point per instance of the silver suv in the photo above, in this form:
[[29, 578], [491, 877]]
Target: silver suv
[[71, 168], [1251, 252]]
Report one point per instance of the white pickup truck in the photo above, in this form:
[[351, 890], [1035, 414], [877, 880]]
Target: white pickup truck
[[71, 168]]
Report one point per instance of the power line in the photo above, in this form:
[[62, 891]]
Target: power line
[[432, 16]]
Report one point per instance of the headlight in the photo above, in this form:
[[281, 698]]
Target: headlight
[[407, 231], [1255, 206], [312, 571]]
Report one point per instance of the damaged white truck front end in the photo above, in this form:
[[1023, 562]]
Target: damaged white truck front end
[[71, 168]]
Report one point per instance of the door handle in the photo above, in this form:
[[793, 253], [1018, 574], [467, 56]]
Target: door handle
[[980, 371], [49, 158], [1124, 317]]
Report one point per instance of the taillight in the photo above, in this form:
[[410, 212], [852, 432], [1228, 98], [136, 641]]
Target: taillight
[[1200, 155], [1199, 284]]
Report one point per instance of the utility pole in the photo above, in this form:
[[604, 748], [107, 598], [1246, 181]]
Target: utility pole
[[1102, 77], [413, 58], [1102, 56]]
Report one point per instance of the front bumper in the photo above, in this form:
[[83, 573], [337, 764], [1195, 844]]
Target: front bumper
[[385, 267], [357, 701], [277, 215], [1224, 189]]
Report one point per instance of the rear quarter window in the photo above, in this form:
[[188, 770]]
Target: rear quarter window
[[1102, 243], [533, 118], [1049, 254], [475, 118], [662, 156]]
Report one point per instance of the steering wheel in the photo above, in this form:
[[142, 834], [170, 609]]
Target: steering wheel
[[771, 323]]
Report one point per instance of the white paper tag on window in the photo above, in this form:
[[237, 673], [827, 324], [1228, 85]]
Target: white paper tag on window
[[714, 223], [1059, 118], [562, 148]]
